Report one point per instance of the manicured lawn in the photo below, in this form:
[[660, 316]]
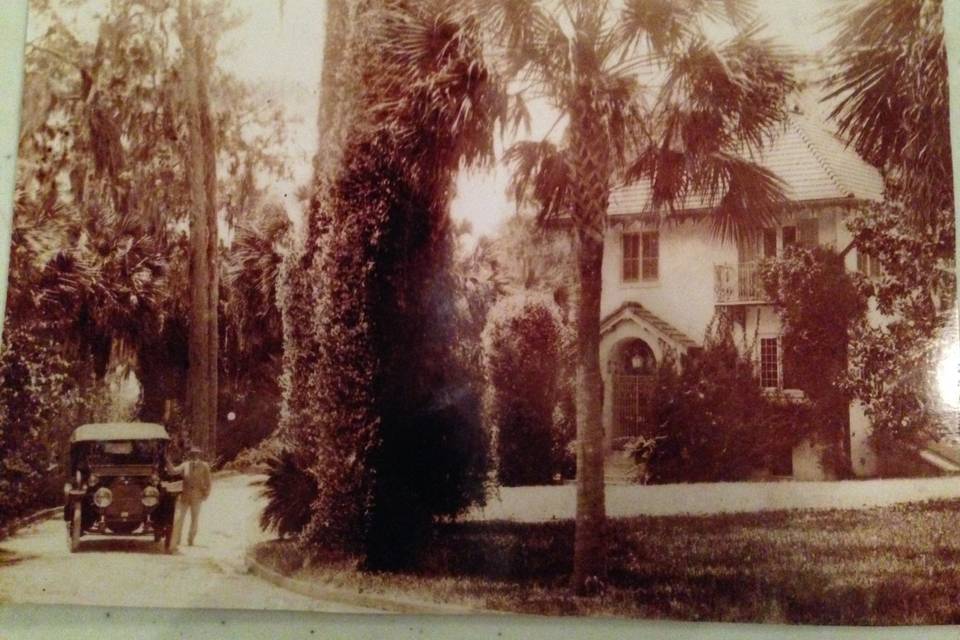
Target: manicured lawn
[[887, 565]]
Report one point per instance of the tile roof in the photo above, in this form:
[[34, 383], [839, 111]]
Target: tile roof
[[813, 163]]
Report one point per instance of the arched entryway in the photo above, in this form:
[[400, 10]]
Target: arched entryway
[[633, 366]]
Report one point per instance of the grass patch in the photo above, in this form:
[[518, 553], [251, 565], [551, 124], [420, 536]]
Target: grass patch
[[886, 565]]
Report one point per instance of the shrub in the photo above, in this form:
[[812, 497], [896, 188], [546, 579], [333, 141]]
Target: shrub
[[39, 402], [522, 355], [712, 420], [256, 459], [289, 490], [894, 364], [819, 304]]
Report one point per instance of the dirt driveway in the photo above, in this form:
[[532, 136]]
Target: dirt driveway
[[36, 567]]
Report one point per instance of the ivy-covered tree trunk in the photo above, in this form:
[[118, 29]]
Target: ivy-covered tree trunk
[[374, 400], [325, 375], [204, 273], [301, 274]]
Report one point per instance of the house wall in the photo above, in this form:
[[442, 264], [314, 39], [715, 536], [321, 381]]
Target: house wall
[[684, 297], [683, 294]]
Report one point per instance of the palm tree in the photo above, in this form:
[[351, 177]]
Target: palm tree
[[645, 95], [889, 93], [889, 82], [99, 283]]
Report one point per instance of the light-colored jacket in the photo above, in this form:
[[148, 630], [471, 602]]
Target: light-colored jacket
[[196, 479]]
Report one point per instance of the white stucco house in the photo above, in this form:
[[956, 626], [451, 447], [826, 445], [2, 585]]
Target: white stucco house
[[663, 283]]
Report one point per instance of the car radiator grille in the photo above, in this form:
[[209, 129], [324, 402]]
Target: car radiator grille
[[126, 499]]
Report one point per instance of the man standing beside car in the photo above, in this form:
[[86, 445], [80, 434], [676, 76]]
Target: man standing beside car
[[196, 488]]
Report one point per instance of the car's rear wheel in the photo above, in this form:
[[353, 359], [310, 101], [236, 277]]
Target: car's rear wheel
[[74, 530]]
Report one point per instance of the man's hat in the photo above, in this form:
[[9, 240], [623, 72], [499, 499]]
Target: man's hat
[[195, 449]]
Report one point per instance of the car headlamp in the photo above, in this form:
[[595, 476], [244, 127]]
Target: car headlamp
[[103, 497], [151, 496]]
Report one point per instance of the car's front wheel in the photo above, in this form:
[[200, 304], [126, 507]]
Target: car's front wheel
[[74, 528]]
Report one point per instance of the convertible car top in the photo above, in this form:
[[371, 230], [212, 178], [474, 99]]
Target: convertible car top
[[119, 431]]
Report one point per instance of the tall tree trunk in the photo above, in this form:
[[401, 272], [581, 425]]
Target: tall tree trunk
[[333, 86], [589, 544], [591, 171], [204, 274]]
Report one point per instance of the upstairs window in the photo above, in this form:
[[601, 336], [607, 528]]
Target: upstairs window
[[808, 232], [769, 243], [789, 237], [651, 255], [631, 257], [641, 256], [868, 265], [805, 233]]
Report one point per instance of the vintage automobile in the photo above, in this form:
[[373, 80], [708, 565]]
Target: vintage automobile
[[117, 483]]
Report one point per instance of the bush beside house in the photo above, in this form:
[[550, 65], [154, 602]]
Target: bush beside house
[[711, 420], [820, 304], [527, 410]]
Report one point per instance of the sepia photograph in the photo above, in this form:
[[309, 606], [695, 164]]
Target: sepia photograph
[[638, 309]]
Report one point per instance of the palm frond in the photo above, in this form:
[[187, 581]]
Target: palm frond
[[434, 73], [289, 491], [660, 24], [731, 94], [890, 93], [751, 197], [541, 174]]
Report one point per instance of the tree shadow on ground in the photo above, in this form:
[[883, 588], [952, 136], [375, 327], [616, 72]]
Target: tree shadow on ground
[[144, 546]]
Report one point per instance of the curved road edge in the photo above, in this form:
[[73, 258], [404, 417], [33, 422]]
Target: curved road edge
[[389, 604], [19, 523]]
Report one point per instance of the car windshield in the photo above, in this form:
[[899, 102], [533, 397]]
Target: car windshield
[[124, 452]]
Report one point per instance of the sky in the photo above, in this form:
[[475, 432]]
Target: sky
[[281, 49]]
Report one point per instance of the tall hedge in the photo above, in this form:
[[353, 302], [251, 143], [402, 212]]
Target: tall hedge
[[523, 357], [376, 404]]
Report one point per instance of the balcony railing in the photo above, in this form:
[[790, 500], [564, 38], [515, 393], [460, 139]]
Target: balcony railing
[[738, 284]]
